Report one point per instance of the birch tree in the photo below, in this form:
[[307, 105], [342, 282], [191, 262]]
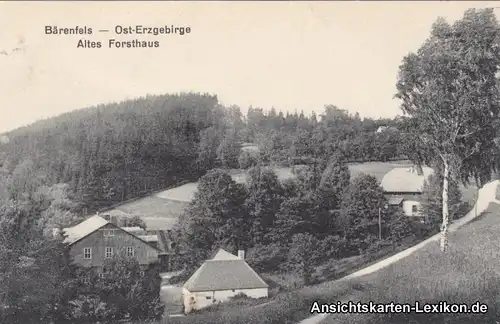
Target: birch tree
[[449, 89]]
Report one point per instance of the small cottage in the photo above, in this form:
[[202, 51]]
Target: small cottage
[[403, 188], [224, 276]]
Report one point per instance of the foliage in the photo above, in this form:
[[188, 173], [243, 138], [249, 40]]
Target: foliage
[[334, 180], [359, 211], [34, 268], [114, 152], [399, 227], [267, 258], [248, 159], [134, 221], [303, 254], [474, 278], [263, 199], [122, 293], [228, 151], [432, 200], [450, 90], [216, 215]]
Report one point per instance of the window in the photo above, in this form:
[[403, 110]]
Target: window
[[87, 253], [414, 209], [109, 233], [130, 251], [109, 252], [208, 297], [101, 275], [141, 273]]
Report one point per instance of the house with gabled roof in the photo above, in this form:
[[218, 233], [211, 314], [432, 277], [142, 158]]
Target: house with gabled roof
[[158, 238], [220, 278], [403, 187], [94, 240]]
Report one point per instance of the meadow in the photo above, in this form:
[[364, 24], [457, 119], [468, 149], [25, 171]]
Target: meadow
[[162, 209]]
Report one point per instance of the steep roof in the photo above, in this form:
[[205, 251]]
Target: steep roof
[[405, 180], [224, 255], [395, 200], [214, 275], [92, 224], [83, 229]]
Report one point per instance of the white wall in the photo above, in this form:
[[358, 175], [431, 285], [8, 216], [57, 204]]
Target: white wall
[[408, 205], [198, 300]]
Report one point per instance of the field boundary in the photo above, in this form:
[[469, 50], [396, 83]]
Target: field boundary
[[143, 195]]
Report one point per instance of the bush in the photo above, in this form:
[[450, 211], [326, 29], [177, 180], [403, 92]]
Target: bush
[[180, 278], [265, 258], [247, 159], [121, 294]]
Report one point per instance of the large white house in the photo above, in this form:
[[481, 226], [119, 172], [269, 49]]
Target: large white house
[[403, 187], [224, 276]]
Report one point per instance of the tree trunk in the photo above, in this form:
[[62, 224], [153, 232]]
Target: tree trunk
[[446, 220]]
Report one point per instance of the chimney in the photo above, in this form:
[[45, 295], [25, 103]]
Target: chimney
[[420, 171], [241, 254]]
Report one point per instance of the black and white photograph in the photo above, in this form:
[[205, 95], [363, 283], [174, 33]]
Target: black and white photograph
[[249, 162]]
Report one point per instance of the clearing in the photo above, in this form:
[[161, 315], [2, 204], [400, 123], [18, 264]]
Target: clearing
[[162, 209], [377, 169]]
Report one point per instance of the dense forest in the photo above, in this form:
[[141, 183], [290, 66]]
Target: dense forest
[[110, 153]]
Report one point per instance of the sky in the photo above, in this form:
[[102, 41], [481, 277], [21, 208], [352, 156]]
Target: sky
[[292, 56]]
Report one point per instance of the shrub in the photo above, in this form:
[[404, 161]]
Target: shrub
[[247, 159], [264, 258]]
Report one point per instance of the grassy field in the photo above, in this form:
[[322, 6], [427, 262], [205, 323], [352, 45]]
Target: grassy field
[[161, 210], [157, 213], [467, 273], [377, 169]]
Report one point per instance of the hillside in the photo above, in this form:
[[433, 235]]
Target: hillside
[[466, 274], [111, 153]]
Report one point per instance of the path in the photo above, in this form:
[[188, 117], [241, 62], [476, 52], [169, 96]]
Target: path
[[486, 195], [171, 295]]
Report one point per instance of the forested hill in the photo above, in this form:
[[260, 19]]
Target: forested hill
[[111, 153]]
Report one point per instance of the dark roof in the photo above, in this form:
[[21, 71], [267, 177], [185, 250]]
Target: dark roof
[[395, 200], [216, 275], [164, 241]]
